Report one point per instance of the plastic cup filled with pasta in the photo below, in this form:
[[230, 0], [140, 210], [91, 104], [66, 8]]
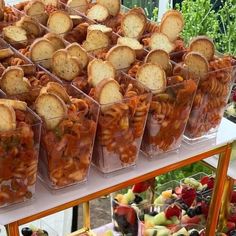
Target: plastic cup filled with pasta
[[68, 133], [217, 73], [124, 107], [171, 103], [19, 147]]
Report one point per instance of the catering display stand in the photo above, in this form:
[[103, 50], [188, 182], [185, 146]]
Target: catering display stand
[[47, 203]]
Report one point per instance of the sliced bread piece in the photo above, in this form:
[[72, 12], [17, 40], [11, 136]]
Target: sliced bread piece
[[161, 41], [79, 5], [103, 28], [75, 50], [41, 51], [99, 70], [57, 89], [51, 108], [30, 25], [56, 41], [13, 81], [95, 40], [121, 57], [59, 22], [112, 6], [159, 57], [196, 64], [203, 45], [8, 118], [152, 76], [18, 105], [108, 91], [50, 2], [133, 25], [172, 24], [5, 53], [130, 42], [98, 13], [14, 34], [65, 66]]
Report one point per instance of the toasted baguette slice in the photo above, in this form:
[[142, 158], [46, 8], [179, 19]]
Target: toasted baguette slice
[[51, 108], [79, 5], [56, 41], [152, 76], [133, 25], [130, 42], [103, 28], [121, 57], [96, 39], [8, 118], [159, 57], [172, 24], [108, 91], [5, 53], [196, 64], [30, 25], [99, 70], [41, 51], [203, 45], [57, 89], [14, 34], [112, 6], [65, 66], [161, 41], [18, 105], [13, 81], [75, 50], [50, 2], [98, 13], [59, 22]]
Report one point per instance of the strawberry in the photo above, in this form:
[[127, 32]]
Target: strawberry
[[129, 213], [141, 187], [188, 195], [173, 210], [230, 226], [232, 218], [210, 183], [233, 197], [204, 180]]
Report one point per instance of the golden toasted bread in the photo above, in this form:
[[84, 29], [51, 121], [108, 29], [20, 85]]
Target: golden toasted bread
[[30, 25], [113, 6], [78, 5], [14, 34], [98, 13], [99, 70], [56, 41], [161, 41], [59, 22], [133, 25], [75, 50], [5, 53], [203, 45], [152, 76], [18, 105], [13, 81], [130, 42], [8, 118], [95, 40], [41, 51], [196, 64], [159, 57], [108, 91], [172, 24], [103, 28], [65, 66], [121, 57], [50, 2], [51, 108], [36, 9], [57, 89]]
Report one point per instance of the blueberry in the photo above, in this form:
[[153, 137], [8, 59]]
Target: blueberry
[[191, 212], [114, 203], [155, 233], [198, 210], [194, 233], [232, 232], [26, 231], [138, 199], [181, 235], [184, 206], [45, 232], [153, 213]]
